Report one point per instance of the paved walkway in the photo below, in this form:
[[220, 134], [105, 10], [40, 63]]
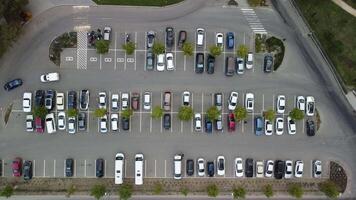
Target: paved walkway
[[346, 7]]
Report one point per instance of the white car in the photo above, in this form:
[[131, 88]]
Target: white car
[[50, 123], [186, 98], [249, 60], [125, 101], [200, 37], [114, 121], [279, 125], [60, 101], [147, 101], [281, 104], [299, 165], [160, 62], [102, 100], [288, 173], [50, 77], [139, 159], [259, 169], [71, 125], [177, 165], [219, 40], [115, 102], [61, 121], [249, 102], [107, 32], [29, 123], [220, 166], [269, 168], [310, 109], [201, 167], [268, 127], [239, 169], [233, 100], [27, 102], [291, 126], [169, 61], [300, 101], [240, 66], [197, 122], [317, 169], [103, 124]]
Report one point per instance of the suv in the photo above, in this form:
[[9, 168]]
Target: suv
[[233, 100], [310, 127], [177, 160], [249, 167], [39, 98], [259, 125], [279, 169], [231, 122], [210, 168], [99, 166], [150, 39], [310, 106], [169, 37], [26, 101], [29, 123], [190, 167], [208, 125], [84, 99], [125, 101], [200, 37], [27, 170], [50, 124], [39, 125], [82, 121], [69, 167], [135, 101], [150, 60], [199, 63], [49, 100], [240, 66], [249, 102], [72, 125], [210, 62], [115, 102], [17, 167], [72, 100], [197, 121], [103, 124], [147, 101], [218, 101], [167, 121], [230, 40], [182, 37]]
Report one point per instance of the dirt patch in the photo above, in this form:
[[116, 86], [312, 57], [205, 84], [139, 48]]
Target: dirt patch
[[7, 113], [338, 175]]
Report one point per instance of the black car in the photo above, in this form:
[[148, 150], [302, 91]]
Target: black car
[[82, 118], [39, 98], [27, 170], [99, 163], [310, 128], [72, 99], [279, 168], [167, 121], [84, 99], [210, 168], [49, 100], [169, 37], [182, 37], [249, 167], [190, 167], [199, 63], [208, 125], [69, 167], [13, 84], [150, 60], [210, 64], [268, 64], [0, 167], [125, 123]]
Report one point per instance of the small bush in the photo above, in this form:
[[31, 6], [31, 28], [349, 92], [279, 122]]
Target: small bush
[[212, 113], [268, 191], [72, 112], [158, 48], [7, 192], [240, 113], [158, 188], [296, 114], [330, 189], [40, 112], [126, 114], [296, 190], [242, 51], [269, 114], [185, 191], [215, 51], [185, 113], [188, 49], [71, 190], [125, 192], [100, 112], [239, 193], [157, 112], [98, 191], [102, 46], [129, 48], [213, 190], [254, 3]]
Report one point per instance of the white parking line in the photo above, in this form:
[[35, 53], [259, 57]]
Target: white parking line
[[54, 168], [172, 112], [129, 107], [145, 65], [85, 168], [141, 112], [303, 129], [244, 38], [273, 102], [125, 57], [165, 168], [34, 168], [100, 57], [185, 61], [135, 51], [44, 168], [202, 103], [192, 121], [181, 126], [161, 107], [155, 168], [104, 167], [115, 56], [64, 167], [144, 170], [125, 169], [75, 168], [295, 101], [263, 102]]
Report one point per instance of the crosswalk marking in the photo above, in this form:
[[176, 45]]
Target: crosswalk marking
[[82, 41], [253, 20]]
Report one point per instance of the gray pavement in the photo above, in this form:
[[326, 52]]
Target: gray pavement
[[296, 76]]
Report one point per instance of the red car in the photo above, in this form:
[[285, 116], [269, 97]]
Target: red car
[[231, 122], [39, 125], [17, 167], [135, 99]]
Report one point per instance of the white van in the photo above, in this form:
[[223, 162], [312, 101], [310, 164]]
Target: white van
[[119, 168], [249, 61], [107, 32], [50, 124], [139, 169], [200, 37], [177, 162]]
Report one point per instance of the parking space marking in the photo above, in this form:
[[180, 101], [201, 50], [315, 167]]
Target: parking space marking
[[141, 113], [165, 168], [192, 121], [161, 107], [93, 59], [144, 170], [130, 115], [155, 168], [54, 168], [85, 168], [44, 168], [115, 51], [135, 51], [273, 102], [303, 129], [202, 103], [185, 62], [145, 65], [69, 58], [125, 58], [75, 168], [263, 102], [3, 169], [125, 169], [104, 166], [107, 60], [100, 57], [175, 53], [64, 167], [172, 111], [244, 38]]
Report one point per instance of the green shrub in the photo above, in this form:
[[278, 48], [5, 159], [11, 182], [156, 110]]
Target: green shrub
[[157, 112], [330, 189], [129, 48], [268, 191], [185, 113], [102, 46], [239, 193], [213, 190], [296, 190], [125, 192], [296, 114], [98, 191]]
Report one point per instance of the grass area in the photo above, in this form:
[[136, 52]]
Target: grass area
[[276, 46], [352, 3], [335, 29], [66, 40], [138, 2]]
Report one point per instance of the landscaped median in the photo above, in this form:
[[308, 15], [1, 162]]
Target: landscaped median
[[167, 186]]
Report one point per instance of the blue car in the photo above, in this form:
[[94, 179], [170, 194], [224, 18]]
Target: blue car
[[230, 40], [208, 125], [259, 125], [13, 84]]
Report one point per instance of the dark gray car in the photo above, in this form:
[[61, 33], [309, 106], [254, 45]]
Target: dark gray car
[[169, 37], [167, 121], [82, 118], [199, 60], [268, 63], [150, 60], [69, 167], [72, 99]]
